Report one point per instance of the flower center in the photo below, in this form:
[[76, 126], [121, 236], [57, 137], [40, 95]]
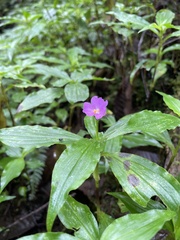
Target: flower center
[[95, 111]]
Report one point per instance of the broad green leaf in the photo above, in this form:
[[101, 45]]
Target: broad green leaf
[[152, 121], [137, 139], [91, 125], [73, 167], [29, 137], [49, 236], [80, 218], [113, 145], [119, 128], [132, 206], [37, 98], [136, 21], [142, 179], [171, 102], [5, 198], [86, 74], [49, 71], [76, 92], [164, 16], [137, 226], [145, 121], [11, 170], [172, 48], [60, 83]]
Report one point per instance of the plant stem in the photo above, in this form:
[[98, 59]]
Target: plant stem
[[5, 99], [96, 178], [97, 128], [173, 155], [70, 118], [159, 56]]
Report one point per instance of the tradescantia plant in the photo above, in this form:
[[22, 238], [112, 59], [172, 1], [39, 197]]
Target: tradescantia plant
[[140, 178]]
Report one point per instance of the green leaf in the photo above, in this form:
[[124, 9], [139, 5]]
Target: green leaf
[[164, 16], [172, 48], [91, 125], [152, 27], [29, 137], [136, 139], [76, 92], [49, 71], [136, 69], [171, 102], [122, 31], [49, 236], [119, 128], [113, 145], [104, 221], [176, 222], [174, 34], [142, 179], [86, 74], [152, 121], [134, 207], [163, 137], [37, 98], [160, 70], [137, 226], [80, 219], [145, 121], [73, 167], [11, 170], [136, 21], [5, 198]]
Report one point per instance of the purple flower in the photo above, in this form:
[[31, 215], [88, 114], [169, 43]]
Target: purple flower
[[96, 108]]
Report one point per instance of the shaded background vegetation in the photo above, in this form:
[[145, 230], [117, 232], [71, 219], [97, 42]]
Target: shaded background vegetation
[[66, 52]]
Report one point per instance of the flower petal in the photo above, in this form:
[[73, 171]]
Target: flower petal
[[88, 109], [97, 103]]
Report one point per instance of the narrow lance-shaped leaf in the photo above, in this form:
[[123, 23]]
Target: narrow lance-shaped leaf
[[80, 218], [136, 69], [35, 136], [142, 179], [172, 47], [137, 226], [73, 167]]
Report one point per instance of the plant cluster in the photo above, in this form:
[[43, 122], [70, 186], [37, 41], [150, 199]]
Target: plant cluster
[[53, 56]]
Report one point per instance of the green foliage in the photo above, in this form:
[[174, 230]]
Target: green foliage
[[137, 226], [81, 159], [80, 218], [51, 56]]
